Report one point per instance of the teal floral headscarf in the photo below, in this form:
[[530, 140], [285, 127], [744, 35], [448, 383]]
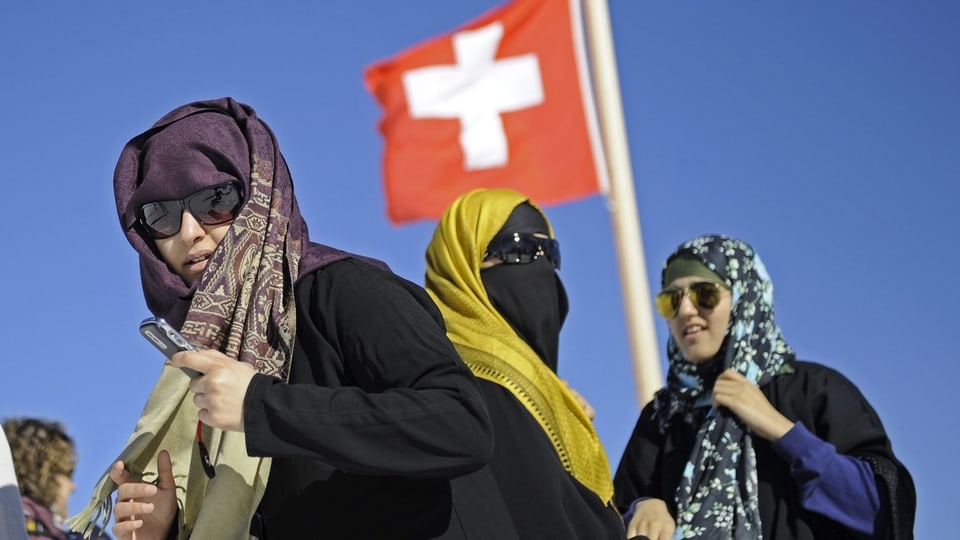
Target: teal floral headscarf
[[717, 496]]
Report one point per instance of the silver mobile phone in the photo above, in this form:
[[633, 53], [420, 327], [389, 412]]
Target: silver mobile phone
[[167, 340]]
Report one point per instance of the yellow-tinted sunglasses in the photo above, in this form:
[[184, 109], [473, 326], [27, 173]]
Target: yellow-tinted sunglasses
[[705, 294]]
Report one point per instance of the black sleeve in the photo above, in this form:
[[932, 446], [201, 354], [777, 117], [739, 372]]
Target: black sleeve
[[836, 411], [862, 435], [638, 474], [406, 405]]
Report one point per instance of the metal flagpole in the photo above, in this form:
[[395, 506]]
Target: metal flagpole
[[621, 202]]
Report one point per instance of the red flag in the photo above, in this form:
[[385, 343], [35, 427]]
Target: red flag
[[503, 101]]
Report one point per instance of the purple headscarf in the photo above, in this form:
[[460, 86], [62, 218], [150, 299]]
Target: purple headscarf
[[202, 144]]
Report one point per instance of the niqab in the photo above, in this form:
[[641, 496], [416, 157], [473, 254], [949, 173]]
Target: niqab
[[530, 296], [492, 348]]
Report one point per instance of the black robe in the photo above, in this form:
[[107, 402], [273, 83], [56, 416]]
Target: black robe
[[381, 431], [827, 404], [544, 499]]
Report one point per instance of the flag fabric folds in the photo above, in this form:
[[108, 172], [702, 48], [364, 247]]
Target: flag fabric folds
[[503, 101]]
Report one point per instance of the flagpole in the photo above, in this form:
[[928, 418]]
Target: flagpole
[[621, 202]]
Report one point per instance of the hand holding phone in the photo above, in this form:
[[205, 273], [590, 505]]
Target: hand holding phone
[[167, 340]]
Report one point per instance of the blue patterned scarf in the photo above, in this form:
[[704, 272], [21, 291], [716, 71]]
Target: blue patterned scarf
[[717, 495]]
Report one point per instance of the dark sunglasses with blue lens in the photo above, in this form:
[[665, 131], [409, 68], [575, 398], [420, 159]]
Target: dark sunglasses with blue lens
[[523, 248]]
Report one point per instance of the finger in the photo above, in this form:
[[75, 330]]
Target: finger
[[590, 411], [725, 379], [131, 509], [124, 529], [118, 474], [643, 528], [731, 375], [164, 471], [637, 526], [135, 490], [658, 532], [727, 389], [725, 400], [195, 360]]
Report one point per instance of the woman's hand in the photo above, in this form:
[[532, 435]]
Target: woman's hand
[[144, 511], [652, 519], [744, 398], [220, 390], [582, 401]]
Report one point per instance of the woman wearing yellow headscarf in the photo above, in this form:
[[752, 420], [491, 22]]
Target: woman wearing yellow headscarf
[[492, 269]]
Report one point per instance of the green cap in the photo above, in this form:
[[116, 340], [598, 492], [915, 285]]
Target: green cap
[[686, 265]]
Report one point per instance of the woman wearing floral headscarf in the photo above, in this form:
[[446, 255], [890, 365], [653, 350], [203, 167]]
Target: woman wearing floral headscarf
[[746, 441]]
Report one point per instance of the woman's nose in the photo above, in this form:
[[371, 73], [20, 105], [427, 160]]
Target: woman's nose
[[686, 305], [190, 228]]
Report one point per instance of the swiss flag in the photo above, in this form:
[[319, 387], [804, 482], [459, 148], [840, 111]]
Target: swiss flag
[[504, 101]]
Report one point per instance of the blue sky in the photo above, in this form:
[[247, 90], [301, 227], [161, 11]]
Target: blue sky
[[825, 134]]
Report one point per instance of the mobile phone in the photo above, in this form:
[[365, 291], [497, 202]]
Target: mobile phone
[[167, 340]]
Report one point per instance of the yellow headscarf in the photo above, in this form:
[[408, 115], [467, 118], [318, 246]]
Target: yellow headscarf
[[490, 346]]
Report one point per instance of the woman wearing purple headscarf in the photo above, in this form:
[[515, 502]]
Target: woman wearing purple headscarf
[[330, 401]]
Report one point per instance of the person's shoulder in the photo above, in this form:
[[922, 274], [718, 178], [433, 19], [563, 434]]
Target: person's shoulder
[[345, 270], [355, 263], [811, 378], [356, 277], [810, 368], [816, 370]]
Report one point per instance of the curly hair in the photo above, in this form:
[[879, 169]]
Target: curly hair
[[41, 450]]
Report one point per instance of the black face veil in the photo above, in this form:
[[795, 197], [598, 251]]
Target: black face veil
[[530, 296]]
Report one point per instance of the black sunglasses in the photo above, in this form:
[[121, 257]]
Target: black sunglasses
[[210, 206], [523, 248], [705, 294]]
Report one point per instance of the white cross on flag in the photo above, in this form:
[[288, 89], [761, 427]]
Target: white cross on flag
[[504, 101]]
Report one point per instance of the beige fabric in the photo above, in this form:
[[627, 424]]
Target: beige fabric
[[169, 422]]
